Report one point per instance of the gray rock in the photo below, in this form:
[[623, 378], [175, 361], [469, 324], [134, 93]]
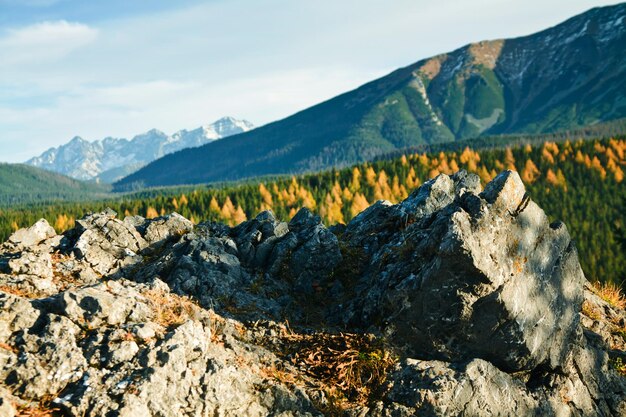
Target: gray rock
[[433, 388], [107, 243], [29, 263], [7, 409], [307, 255], [106, 304], [457, 286], [32, 236], [161, 229]]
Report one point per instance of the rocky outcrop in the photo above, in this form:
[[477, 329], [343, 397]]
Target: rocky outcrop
[[470, 299]]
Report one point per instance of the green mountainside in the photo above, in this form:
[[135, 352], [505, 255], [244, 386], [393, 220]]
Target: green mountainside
[[24, 184], [565, 77]]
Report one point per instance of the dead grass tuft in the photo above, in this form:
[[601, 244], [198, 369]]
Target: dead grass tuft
[[281, 375], [62, 281], [8, 347], [590, 311], [24, 293], [611, 293], [350, 368], [169, 309], [42, 409]]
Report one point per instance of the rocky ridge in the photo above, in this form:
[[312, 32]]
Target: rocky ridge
[[456, 301]]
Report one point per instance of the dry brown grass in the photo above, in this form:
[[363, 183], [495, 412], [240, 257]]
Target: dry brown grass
[[37, 412], [20, 292], [8, 347], [611, 293], [590, 311], [44, 408], [284, 376], [349, 368], [63, 282], [169, 309]]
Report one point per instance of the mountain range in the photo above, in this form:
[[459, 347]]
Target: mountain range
[[567, 76], [110, 159]]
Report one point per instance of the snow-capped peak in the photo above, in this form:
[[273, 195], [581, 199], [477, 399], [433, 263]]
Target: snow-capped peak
[[86, 160]]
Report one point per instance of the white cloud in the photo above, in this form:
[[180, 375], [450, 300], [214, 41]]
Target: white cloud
[[95, 112], [43, 42]]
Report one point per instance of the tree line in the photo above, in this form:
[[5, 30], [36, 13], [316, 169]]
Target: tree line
[[579, 182]]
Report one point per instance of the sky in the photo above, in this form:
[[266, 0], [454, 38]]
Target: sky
[[94, 68]]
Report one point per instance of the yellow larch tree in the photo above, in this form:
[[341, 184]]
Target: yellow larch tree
[[398, 192], [509, 160], [267, 202], [530, 172], [228, 210], [214, 206], [331, 210], [579, 157], [370, 176], [411, 179], [359, 203], [470, 159], [239, 216], [597, 165], [454, 167], [547, 156], [63, 222], [151, 213], [306, 199], [347, 194], [382, 191], [355, 183]]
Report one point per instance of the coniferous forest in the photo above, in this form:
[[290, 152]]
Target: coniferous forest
[[578, 182]]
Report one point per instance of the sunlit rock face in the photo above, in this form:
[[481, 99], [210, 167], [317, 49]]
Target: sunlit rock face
[[474, 292], [471, 274]]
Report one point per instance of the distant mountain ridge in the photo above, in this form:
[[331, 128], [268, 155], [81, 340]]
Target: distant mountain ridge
[[111, 158], [567, 76]]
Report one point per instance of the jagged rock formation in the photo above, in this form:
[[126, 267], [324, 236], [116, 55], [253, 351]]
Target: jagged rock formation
[[476, 294]]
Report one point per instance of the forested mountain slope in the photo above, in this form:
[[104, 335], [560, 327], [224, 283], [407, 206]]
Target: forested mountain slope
[[21, 184]]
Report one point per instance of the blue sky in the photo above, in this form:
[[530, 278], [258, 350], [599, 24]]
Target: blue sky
[[118, 68]]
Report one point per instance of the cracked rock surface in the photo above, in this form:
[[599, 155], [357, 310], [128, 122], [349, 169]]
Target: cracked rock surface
[[476, 293]]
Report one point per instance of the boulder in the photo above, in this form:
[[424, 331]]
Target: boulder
[[32, 236], [161, 229], [470, 278], [307, 255], [106, 243]]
